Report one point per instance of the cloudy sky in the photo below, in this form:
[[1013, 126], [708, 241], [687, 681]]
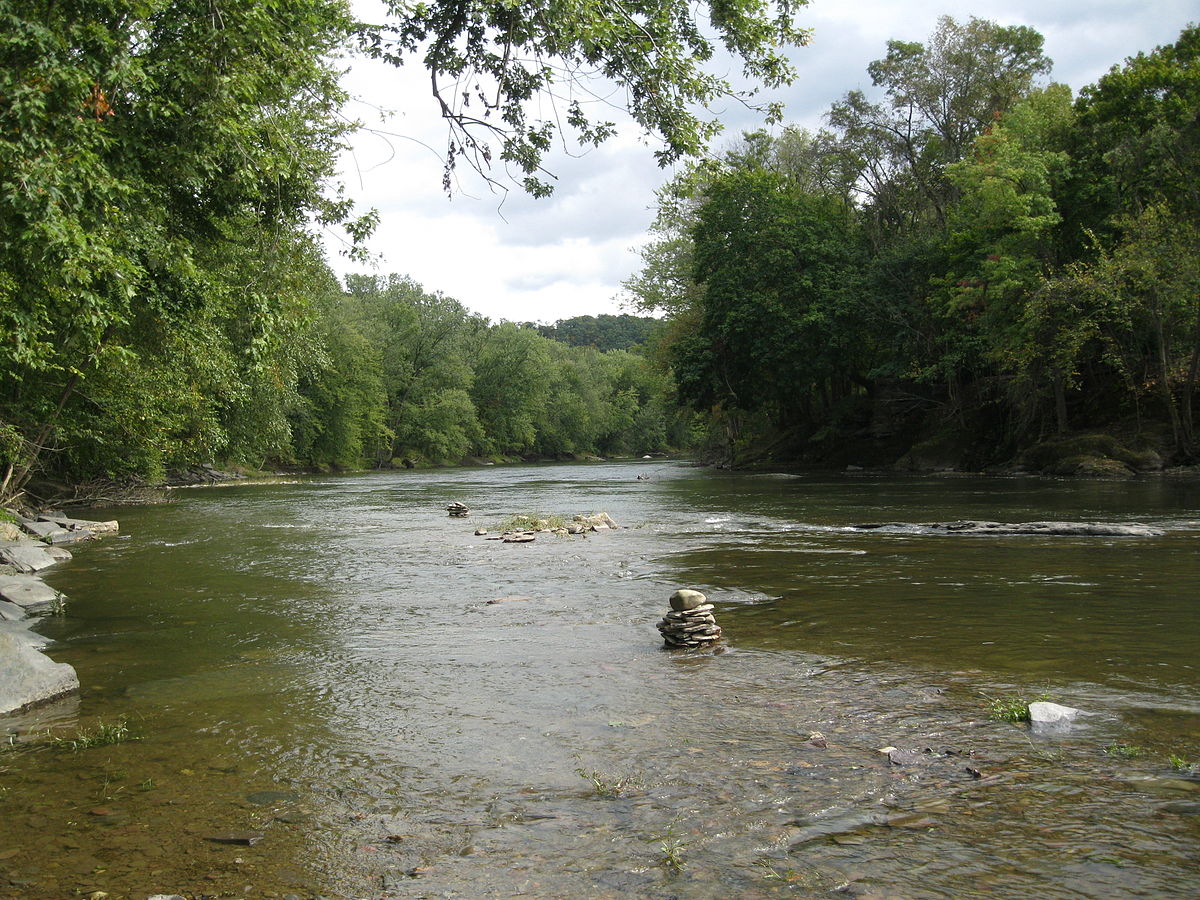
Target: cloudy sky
[[513, 257]]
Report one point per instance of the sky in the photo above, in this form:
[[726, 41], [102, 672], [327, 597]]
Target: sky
[[509, 256]]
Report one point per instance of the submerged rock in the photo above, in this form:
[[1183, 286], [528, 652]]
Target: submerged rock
[[1088, 529]]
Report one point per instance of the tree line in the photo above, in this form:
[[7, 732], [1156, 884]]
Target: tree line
[[977, 257], [167, 174]]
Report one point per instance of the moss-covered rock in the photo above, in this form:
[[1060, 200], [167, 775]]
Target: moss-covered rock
[[944, 452], [1089, 455]]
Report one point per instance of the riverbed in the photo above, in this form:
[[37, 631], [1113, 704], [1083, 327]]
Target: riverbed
[[326, 704]]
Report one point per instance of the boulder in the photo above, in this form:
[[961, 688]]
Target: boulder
[[26, 558], [28, 592], [29, 678], [1049, 716]]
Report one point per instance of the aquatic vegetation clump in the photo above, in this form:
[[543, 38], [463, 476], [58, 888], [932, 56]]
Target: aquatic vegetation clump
[[1125, 751], [608, 786], [533, 522], [671, 847], [103, 735], [1009, 709], [1179, 764]]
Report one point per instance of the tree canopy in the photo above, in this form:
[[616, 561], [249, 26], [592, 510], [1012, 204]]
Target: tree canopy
[[166, 168], [977, 260]]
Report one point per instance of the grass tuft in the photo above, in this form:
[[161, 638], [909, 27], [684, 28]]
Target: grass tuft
[[608, 786], [103, 735], [1012, 708], [533, 522]]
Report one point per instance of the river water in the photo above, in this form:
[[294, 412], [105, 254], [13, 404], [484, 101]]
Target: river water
[[316, 679]]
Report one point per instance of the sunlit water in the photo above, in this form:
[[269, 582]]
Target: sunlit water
[[317, 663]]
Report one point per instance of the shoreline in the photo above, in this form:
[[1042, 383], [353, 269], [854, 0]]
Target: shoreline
[[28, 546]]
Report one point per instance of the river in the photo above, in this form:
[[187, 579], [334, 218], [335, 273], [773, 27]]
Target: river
[[315, 677]]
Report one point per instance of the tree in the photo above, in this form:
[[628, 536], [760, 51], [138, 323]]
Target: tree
[[139, 147], [774, 260], [488, 59], [940, 96], [1138, 141], [1002, 238]]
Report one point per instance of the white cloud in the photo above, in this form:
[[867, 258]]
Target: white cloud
[[522, 259]]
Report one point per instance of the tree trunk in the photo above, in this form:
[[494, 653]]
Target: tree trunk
[[1060, 402], [19, 473], [1164, 386]]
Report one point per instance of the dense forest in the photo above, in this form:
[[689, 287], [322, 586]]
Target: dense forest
[[978, 266], [168, 174]]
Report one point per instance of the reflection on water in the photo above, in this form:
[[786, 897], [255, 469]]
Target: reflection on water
[[320, 684]]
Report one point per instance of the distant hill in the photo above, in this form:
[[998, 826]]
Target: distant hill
[[604, 332]]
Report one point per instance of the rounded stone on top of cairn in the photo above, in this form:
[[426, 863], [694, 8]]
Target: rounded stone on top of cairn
[[690, 623], [459, 510]]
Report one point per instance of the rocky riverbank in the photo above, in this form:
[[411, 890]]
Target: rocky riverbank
[[29, 545]]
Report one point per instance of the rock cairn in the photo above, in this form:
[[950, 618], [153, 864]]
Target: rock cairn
[[459, 510], [690, 623]]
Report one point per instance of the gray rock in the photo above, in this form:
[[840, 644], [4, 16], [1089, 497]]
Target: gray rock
[[906, 757], [25, 558], [28, 592], [166, 897], [10, 612], [58, 554], [23, 635], [81, 524], [1049, 716], [29, 678], [44, 529], [685, 599], [71, 537]]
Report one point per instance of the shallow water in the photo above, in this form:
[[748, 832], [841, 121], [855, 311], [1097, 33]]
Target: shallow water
[[317, 663]]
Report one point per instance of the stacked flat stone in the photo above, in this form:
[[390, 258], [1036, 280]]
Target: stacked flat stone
[[459, 510], [690, 623]]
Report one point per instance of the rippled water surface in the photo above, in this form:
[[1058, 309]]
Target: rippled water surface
[[314, 668]]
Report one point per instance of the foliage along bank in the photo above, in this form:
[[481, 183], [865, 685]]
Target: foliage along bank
[[167, 168], [974, 266]]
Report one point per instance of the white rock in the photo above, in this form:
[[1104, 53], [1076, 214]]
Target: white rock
[[1050, 715]]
